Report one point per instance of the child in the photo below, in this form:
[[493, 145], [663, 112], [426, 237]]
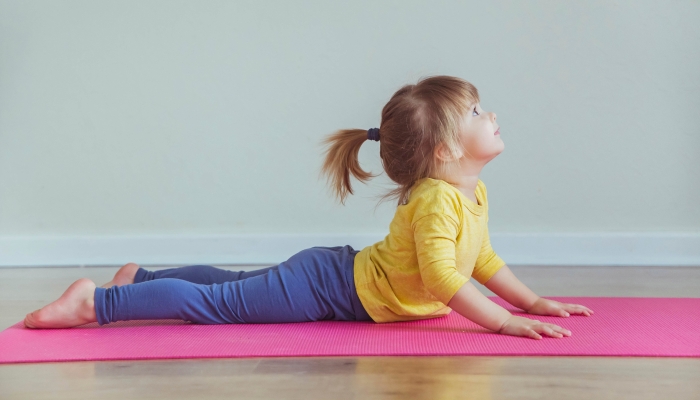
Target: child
[[435, 140]]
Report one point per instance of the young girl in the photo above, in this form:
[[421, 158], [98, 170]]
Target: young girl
[[435, 140]]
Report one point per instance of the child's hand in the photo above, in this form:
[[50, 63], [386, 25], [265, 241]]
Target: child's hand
[[519, 326], [557, 309]]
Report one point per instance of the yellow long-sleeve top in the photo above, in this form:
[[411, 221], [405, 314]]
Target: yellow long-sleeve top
[[436, 242]]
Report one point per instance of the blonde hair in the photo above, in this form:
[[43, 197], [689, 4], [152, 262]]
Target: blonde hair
[[415, 120]]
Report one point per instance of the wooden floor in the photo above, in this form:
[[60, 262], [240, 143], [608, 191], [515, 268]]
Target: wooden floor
[[23, 290]]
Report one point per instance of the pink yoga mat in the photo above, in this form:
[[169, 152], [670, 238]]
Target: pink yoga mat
[[621, 326]]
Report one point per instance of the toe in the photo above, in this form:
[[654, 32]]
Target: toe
[[29, 321]]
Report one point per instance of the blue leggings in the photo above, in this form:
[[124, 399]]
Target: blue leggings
[[314, 284]]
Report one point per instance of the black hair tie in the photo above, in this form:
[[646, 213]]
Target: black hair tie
[[373, 134]]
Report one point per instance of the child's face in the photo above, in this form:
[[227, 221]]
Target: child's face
[[480, 137]]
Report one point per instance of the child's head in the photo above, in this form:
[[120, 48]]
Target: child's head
[[435, 128]]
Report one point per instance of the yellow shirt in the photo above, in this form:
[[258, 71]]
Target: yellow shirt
[[436, 242]]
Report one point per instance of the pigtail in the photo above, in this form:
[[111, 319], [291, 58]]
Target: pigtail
[[342, 160]]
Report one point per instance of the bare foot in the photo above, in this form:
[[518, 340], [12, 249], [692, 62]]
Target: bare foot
[[76, 306], [125, 276]]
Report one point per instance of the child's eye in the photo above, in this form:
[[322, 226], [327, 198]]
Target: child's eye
[[477, 113]]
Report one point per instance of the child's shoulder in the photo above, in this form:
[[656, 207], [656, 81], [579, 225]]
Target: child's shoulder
[[433, 196], [437, 188]]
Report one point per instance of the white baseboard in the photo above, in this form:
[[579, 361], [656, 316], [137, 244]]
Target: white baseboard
[[594, 249]]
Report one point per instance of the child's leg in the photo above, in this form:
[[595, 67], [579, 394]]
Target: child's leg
[[202, 274], [314, 284]]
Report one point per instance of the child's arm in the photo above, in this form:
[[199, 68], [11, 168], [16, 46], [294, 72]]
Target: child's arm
[[508, 287], [470, 303]]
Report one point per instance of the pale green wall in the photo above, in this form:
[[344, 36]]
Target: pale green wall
[[197, 117]]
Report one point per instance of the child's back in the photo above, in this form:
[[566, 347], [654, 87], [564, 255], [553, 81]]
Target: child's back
[[435, 241]]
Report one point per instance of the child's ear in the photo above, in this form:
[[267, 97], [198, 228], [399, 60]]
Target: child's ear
[[442, 153]]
